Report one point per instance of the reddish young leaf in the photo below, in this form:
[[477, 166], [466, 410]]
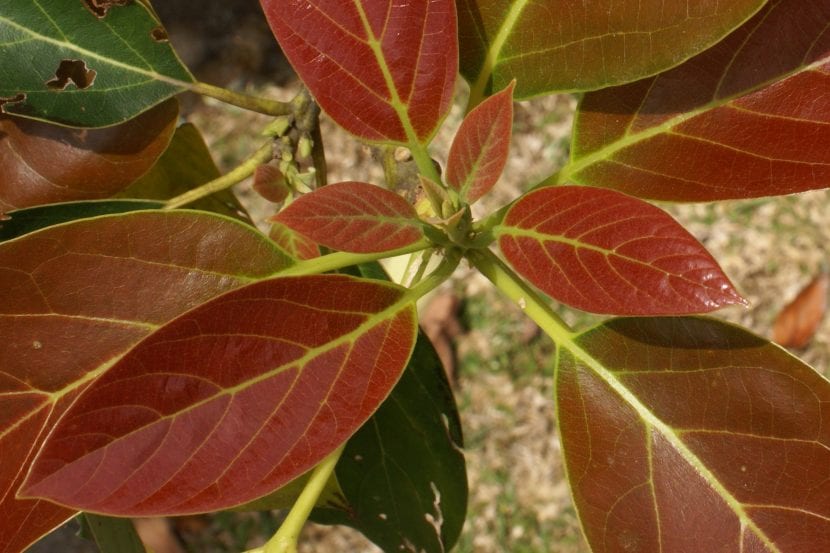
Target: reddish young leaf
[[76, 297], [479, 151], [296, 244], [231, 400], [42, 163], [797, 323], [354, 217], [559, 45], [605, 252], [693, 435], [749, 117], [383, 70]]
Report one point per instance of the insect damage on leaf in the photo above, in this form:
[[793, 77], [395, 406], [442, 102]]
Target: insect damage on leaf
[[72, 71], [16, 99], [159, 34], [100, 7]]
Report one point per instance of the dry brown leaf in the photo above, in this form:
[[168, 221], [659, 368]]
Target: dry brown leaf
[[798, 321]]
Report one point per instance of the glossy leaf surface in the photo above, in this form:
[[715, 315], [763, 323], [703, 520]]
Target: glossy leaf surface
[[65, 318], [403, 474], [112, 535], [61, 61], [749, 117], [186, 164], [561, 45], [383, 70], [605, 252], [42, 163], [690, 434], [479, 151], [354, 217], [231, 400]]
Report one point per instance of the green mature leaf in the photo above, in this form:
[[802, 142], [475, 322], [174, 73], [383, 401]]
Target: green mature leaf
[[403, 474], [693, 435], [562, 45], [186, 164], [112, 535], [84, 63], [23, 221]]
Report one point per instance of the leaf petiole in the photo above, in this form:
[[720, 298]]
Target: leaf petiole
[[519, 291], [245, 101], [339, 260], [285, 540], [244, 170]]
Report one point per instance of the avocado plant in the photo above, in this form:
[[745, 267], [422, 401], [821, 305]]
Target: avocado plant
[[160, 356]]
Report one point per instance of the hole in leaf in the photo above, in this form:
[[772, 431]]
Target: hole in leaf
[[159, 34], [16, 99], [100, 7], [74, 71]]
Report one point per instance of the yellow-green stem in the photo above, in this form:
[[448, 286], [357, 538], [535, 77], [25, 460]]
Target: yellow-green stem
[[240, 173], [338, 260], [253, 103], [285, 540], [519, 291]]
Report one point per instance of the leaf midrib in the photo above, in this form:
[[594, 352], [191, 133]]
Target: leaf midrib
[[669, 434], [607, 152]]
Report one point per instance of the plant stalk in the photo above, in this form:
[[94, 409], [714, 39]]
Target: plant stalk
[[285, 540], [238, 174], [245, 101], [339, 260], [514, 287]]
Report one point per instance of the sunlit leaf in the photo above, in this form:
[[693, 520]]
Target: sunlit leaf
[[297, 245], [355, 217], [561, 45], [66, 61], [231, 400], [43, 164], [403, 474], [797, 323], [605, 252], [747, 118], [383, 70], [186, 164], [67, 316], [694, 435], [479, 151]]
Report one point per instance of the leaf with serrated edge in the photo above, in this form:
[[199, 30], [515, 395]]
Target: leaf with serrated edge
[[61, 62], [605, 252], [43, 164], [750, 117], [479, 151], [231, 400], [66, 318], [561, 45], [384, 71], [690, 434], [354, 217]]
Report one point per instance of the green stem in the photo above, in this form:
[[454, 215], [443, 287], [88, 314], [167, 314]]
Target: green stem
[[436, 277], [338, 260], [253, 103], [519, 291], [285, 540], [240, 173]]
